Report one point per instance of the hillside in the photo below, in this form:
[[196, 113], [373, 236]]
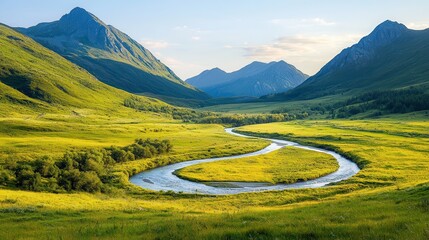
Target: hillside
[[35, 78], [390, 57], [110, 55], [254, 80]]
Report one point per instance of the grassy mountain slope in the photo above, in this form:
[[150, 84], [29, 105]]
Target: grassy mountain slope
[[34, 77], [110, 55], [395, 63]]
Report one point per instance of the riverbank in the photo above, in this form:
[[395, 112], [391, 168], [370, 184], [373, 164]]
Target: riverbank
[[164, 179]]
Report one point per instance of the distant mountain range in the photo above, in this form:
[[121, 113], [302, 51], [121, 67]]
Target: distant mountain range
[[110, 55], [390, 57], [256, 79]]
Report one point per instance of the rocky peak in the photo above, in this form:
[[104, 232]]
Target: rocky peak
[[79, 16], [383, 34], [358, 54]]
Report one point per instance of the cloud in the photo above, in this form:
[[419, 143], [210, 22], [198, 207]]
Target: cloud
[[310, 52], [303, 22], [299, 44], [150, 44], [182, 68], [417, 26], [191, 33]]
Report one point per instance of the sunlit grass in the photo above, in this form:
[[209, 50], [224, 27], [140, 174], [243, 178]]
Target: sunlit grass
[[28, 138], [392, 152], [384, 200], [287, 165]]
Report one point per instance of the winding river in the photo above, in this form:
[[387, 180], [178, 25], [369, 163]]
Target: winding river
[[162, 178]]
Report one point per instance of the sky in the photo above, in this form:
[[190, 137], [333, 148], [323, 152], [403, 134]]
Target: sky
[[190, 36]]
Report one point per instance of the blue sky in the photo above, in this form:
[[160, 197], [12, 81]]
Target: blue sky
[[193, 35]]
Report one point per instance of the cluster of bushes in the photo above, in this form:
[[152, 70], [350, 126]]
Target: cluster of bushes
[[243, 119], [383, 102], [187, 115], [86, 170]]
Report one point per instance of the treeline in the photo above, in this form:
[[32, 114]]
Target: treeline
[[86, 170], [185, 114], [376, 102], [382, 102], [189, 115], [244, 119]]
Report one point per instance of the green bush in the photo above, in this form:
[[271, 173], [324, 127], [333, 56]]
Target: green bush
[[82, 170], [89, 182]]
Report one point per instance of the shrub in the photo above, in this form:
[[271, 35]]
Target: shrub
[[89, 181], [85, 170]]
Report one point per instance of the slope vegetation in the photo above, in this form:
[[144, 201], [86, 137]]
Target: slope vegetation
[[33, 77], [110, 55], [390, 57]]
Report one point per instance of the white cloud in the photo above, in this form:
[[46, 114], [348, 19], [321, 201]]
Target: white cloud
[[150, 44], [300, 44], [196, 38], [309, 53], [418, 26], [182, 68], [293, 22]]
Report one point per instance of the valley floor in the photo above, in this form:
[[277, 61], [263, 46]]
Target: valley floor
[[387, 199]]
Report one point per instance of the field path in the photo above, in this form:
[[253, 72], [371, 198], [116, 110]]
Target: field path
[[162, 178]]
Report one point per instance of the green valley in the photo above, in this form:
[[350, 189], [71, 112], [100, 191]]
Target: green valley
[[100, 140]]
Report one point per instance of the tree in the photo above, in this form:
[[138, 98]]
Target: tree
[[46, 167], [69, 179], [89, 181]]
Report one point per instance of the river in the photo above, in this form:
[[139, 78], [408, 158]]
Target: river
[[162, 178]]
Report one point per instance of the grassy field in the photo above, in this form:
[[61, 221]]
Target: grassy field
[[286, 165], [31, 136], [387, 199], [392, 152]]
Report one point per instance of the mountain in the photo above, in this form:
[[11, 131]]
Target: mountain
[[209, 78], [390, 57], [255, 80], [35, 79], [110, 55]]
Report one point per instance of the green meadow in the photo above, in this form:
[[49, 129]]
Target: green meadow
[[69, 144], [387, 199]]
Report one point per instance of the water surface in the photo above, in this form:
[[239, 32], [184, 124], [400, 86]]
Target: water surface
[[162, 178]]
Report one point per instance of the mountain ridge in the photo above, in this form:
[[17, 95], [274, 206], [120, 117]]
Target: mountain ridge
[[109, 54], [254, 79], [390, 57], [36, 79]]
